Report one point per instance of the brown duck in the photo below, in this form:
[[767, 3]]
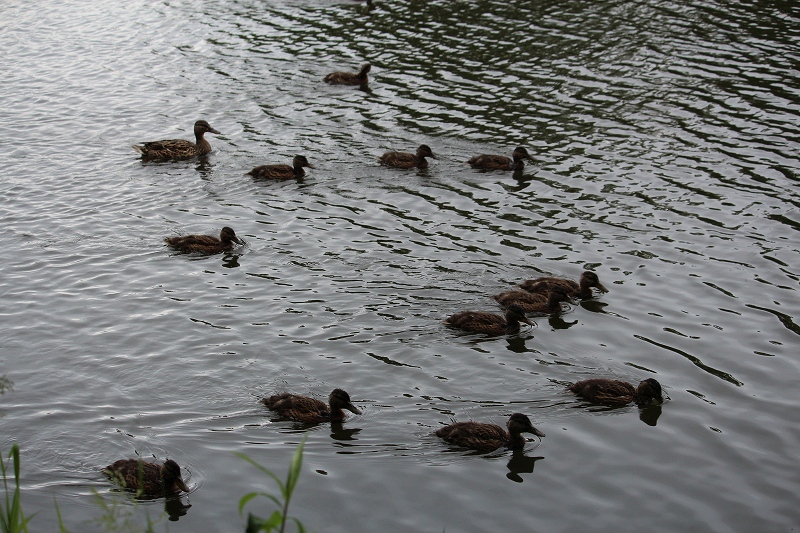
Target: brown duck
[[407, 159], [501, 162], [529, 302], [581, 290], [282, 172], [490, 323], [178, 148], [613, 392], [147, 479], [205, 244], [349, 78], [311, 410], [488, 437]]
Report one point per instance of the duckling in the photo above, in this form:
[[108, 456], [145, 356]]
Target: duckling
[[311, 410], [206, 244], [580, 290], [488, 437], [406, 159], [501, 162], [349, 78], [480, 322], [545, 303], [147, 479], [614, 392], [178, 148], [282, 172]]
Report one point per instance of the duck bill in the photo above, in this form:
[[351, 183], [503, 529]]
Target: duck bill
[[310, 166], [525, 320], [212, 130], [352, 408], [536, 432], [601, 288], [181, 485], [237, 240]]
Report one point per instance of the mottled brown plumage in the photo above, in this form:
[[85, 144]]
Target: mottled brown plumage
[[545, 303], [613, 392], [349, 78], [205, 244], [574, 289], [311, 410], [501, 162], [147, 479], [178, 148], [282, 172], [407, 159], [490, 323], [488, 437]]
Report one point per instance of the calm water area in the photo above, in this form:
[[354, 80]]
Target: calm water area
[[667, 145]]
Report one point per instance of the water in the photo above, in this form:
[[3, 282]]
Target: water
[[667, 162]]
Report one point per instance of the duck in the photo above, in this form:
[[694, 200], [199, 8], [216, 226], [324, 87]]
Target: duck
[[349, 78], [580, 290], [205, 244], [545, 303], [614, 392], [310, 410], [178, 148], [147, 479], [407, 159], [501, 162], [490, 323], [489, 437], [282, 172]]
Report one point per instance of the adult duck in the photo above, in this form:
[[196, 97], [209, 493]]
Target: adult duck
[[614, 392], [543, 303], [488, 437], [501, 162], [205, 244], [282, 172], [407, 159], [178, 148], [575, 289], [147, 479], [311, 410], [490, 323], [349, 78]]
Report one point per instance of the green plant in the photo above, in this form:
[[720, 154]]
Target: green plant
[[276, 521], [12, 520], [5, 385]]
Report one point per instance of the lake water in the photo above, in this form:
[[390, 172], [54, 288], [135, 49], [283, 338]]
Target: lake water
[[667, 161]]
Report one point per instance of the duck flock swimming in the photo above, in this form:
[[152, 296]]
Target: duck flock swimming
[[541, 296]]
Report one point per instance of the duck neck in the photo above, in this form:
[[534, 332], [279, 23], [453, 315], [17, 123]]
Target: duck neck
[[203, 146], [298, 171], [517, 164], [515, 440]]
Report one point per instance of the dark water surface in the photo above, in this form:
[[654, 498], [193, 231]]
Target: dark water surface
[[666, 137]]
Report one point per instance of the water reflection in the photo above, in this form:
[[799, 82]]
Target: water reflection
[[649, 415], [339, 433], [520, 464], [231, 260], [175, 508]]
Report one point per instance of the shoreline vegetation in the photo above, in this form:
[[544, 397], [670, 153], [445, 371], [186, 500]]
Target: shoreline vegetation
[[117, 515]]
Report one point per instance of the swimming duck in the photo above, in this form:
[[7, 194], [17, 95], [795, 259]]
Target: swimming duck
[[282, 172], [406, 159], [480, 322], [488, 437], [614, 392], [206, 244], [147, 479], [501, 162], [581, 290], [349, 78], [178, 148], [529, 302], [311, 410]]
